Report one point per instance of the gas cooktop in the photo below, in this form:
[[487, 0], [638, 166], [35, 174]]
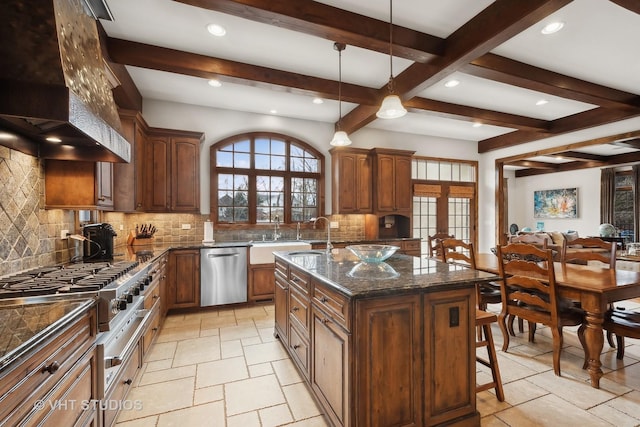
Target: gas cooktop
[[64, 279]]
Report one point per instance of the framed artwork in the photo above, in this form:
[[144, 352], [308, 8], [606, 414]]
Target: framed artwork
[[561, 203]]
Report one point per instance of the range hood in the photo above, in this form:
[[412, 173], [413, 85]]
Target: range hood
[[55, 94]]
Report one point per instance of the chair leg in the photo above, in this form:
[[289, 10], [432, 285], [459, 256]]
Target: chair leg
[[520, 324], [583, 341], [620, 352], [532, 331], [491, 362], [610, 340], [557, 348], [510, 325], [502, 322]]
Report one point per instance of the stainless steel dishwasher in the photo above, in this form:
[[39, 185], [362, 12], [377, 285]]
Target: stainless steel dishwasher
[[223, 275]]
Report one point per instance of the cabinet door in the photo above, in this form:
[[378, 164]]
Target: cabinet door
[[330, 371], [351, 180], [385, 188], [156, 186], [184, 283], [281, 299], [128, 178], [185, 175], [450, 360], [402, 183], [389, 348], [104, 184], [261, 282]]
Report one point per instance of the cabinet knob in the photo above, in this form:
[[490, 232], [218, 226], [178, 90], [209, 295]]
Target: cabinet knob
[[128, 381], [294, 308], [52, 367], [101, 199], [154, 329], [324, 299], [296, 346], [325, 321], [156, 296]]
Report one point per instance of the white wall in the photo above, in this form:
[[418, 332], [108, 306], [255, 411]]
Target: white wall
[[587, 181], [219, 124]]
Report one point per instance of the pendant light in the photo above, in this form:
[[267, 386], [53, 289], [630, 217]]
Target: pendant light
[[391, 107], [340, 138]]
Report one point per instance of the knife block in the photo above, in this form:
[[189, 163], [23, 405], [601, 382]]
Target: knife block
[[142, 242]]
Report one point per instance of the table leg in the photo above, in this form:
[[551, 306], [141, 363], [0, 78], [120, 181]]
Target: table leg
[[594, 337]]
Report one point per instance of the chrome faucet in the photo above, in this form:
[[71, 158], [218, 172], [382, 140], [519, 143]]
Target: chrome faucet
[[329, 245], [276, 235]]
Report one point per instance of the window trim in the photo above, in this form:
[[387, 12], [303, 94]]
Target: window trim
[[252, 172]]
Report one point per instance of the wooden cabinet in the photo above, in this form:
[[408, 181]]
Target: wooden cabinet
[[281, 299], [351, 181], [261, 282], [392, 181], [408, 246], [61, 374], [128, 178], [404, 358], [184, 278], [78, 184], [172, 171]]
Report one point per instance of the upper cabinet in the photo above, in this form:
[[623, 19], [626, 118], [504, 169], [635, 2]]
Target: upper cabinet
[[78, 184], [392, 181], [172, 171], [128, 177], [351, 181]]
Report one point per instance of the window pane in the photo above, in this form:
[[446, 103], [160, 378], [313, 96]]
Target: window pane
[[225, 181], [296, 151], [224, 159], [278, 147], [242, 146], [262, 145], [278, 163], [242, 160], [262, 161]]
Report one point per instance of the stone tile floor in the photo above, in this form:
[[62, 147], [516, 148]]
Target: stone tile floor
[[224, 368]]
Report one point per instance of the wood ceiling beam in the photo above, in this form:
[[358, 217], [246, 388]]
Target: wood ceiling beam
[[580, 156], [630, 143], [632, 5], [534, 165], [584, 120], [191, 64], [616, 160], [473, 114], [499, 22], [511, 72], [331, 23]]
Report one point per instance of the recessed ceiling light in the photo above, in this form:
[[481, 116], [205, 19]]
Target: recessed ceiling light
[[552, 27], [476, 124], [215, 83], [273, 111], [53, 139], [216, 30], [452, 83], [318, 101], [6, 136], [541, 102]]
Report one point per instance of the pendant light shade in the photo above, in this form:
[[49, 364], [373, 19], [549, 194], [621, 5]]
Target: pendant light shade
[[340, 138], [391, 107]]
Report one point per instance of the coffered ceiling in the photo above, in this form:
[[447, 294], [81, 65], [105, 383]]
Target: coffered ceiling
[[279, 55]]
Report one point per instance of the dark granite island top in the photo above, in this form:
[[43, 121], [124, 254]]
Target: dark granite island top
[[381, 344], [398, 274]]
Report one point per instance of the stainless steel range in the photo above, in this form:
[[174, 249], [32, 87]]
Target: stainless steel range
[[119, 289]]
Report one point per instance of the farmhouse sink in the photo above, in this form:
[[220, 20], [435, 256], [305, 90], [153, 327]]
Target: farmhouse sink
[[262, 252]]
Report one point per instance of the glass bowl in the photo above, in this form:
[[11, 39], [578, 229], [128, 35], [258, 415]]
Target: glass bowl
[[373, 253], [373, 271]]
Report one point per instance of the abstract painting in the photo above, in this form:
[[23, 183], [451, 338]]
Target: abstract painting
[[561, 203]]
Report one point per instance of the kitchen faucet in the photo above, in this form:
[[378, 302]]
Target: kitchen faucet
[[329, 245], [276, 235], [298, 234]]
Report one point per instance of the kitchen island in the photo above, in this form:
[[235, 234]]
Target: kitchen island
[[381, 344]]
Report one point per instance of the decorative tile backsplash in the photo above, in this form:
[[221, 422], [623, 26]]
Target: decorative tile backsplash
[[30, 234]]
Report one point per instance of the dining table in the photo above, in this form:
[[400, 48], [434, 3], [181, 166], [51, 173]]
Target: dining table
[[594, 288]]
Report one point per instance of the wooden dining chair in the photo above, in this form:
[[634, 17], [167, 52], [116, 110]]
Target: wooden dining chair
[[622, 323], [434, 242], [457, 251], [529, 291]]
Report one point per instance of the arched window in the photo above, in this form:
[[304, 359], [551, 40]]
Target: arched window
[[263, 177]]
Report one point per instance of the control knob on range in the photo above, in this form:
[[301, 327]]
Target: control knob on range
[[128, 296]]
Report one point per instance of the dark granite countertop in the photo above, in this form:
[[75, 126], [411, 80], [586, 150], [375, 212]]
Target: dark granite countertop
[[398, 274], [26, 323]]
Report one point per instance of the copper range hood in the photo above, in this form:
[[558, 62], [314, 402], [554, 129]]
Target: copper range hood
[[55, 94]]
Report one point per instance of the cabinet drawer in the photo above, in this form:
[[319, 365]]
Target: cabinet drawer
[[281, 268], [152, 331], [151, 295], [299, 349], [300, 280], [411, 245], [299, 310], [333, 303], [122, 386]]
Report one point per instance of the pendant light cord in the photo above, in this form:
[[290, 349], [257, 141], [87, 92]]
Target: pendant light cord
[[391, 88], [339, 47]]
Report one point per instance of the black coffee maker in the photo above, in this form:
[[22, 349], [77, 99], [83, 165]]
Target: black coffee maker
[[99, 243]]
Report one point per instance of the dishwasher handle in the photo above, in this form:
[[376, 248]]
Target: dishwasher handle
[[221, 255]]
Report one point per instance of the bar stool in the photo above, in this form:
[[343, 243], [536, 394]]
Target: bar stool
[[484, 320]]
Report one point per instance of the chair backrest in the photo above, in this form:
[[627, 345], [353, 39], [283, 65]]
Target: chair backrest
[[457, 251], [531, 239], [434, 242], [529, 286], [585, 249]]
